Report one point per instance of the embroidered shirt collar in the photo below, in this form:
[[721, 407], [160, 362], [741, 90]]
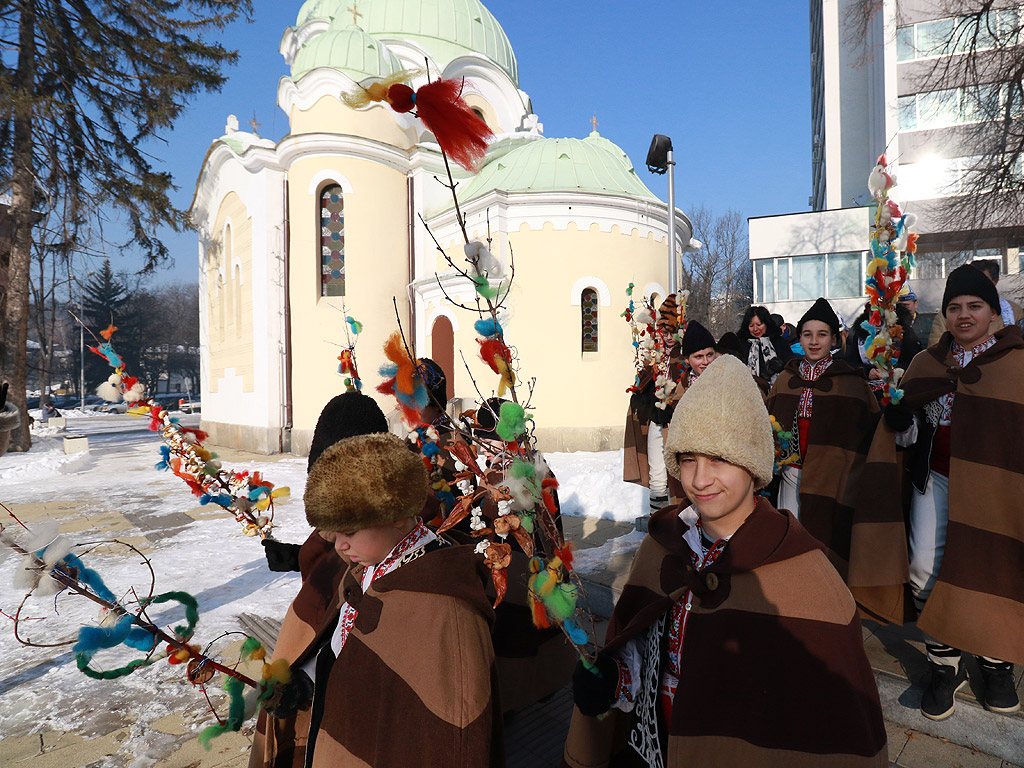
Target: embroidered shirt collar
[[964, 356]]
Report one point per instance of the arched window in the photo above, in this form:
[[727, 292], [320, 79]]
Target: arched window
[[229, 288], [588, 318], [237, 288], [332, 241]]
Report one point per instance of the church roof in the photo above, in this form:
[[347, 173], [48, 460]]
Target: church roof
[[593, 164], [446, 29], [349, 50]]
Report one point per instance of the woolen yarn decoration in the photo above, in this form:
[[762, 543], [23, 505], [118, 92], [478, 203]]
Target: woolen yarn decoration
[[970, 281], [723, 415], [365, 481]]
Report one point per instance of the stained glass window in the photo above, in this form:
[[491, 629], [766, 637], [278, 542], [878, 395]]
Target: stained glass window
[[588, 314], [332, 242]]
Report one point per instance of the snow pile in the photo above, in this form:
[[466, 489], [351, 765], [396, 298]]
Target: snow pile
[[590, 485], [45, 459]]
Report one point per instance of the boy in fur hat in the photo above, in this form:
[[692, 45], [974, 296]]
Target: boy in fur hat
[[279, 742], [734, 641], [963, 403], [827, 406], [406, 675]]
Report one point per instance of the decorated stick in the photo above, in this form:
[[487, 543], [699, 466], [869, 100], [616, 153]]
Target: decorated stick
[[249, 497], [49, 567], [893, 245], [525, 497]]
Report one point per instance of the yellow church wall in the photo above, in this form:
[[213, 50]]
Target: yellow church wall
[[230, 295], [580, 400], [376, 269], [329, 115]]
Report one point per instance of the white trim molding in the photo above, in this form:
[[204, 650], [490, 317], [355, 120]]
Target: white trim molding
[[329, 174], [575, 294]]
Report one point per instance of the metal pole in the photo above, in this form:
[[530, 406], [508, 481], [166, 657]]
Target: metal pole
[[673, 282], [81, 350]]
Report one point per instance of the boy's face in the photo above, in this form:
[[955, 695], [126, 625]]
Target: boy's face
[[701, 359], [722, 493], [968, 319], [368, 546], [817, 340]]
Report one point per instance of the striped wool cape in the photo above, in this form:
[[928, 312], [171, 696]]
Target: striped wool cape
[[843, 421], [772, 668], [415, 683], [977, 603], [281, 743]]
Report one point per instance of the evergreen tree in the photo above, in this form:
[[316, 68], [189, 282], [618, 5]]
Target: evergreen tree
[[106, 301], [83, 85]]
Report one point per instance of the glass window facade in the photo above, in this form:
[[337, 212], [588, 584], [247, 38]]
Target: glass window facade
[[332, 241], [805, 278]]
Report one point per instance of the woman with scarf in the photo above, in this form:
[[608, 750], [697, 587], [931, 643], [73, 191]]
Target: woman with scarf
[[767, 352]]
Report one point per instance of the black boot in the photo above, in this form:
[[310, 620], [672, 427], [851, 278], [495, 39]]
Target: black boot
[[937, 702], [1000, 695]]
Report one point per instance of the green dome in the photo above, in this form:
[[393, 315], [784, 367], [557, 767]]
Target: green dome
[[446, 29], [593, 164], [350, 50]]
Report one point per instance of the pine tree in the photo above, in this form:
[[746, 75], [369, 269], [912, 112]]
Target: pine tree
[[84, 85], [106, 301]]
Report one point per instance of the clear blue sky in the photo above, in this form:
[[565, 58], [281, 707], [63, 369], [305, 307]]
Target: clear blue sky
[[729, 81]]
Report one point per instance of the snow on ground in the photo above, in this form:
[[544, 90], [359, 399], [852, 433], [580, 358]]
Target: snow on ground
[[590, 485], [41, 689], [587, 562]]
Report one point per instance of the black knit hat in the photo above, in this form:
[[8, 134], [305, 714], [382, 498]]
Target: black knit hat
[[487, 417], [731, 344], [347, 415], [696, 338], [970, 281], [822, 311]]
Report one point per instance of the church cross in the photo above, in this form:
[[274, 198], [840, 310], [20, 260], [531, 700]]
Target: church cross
[[593, 122], [356, 15], [254, 124]]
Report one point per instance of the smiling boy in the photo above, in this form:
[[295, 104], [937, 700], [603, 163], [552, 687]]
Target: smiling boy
[[828, 407], [734, 641], [963, 402]]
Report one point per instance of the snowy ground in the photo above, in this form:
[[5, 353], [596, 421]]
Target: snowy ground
[[113, 491]]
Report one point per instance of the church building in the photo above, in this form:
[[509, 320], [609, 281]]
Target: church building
[[344, 212]]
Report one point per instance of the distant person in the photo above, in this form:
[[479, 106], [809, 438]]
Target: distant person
[[909, 302], [1009, 312], [48, 412], [766, 351]]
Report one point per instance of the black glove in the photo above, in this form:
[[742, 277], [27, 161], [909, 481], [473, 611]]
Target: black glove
[[296, 695], [899, 417], [594, 690], [774, 366], [281, 556]]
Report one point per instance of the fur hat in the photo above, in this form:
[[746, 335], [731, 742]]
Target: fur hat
[[348, 414], [364, 481], [967, 280], [696, 338], [723, 415], [822, 311]]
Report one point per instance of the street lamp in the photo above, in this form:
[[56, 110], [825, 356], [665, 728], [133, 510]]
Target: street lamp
[[659, 160]]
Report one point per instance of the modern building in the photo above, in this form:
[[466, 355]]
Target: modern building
[[342, 214], [874, 90]]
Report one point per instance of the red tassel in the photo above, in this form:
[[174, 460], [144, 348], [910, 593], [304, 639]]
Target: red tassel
[[540, 616], [458, 129], [491, 349]]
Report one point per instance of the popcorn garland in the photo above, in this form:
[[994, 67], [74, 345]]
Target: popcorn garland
[[893, 246], [248, 497]]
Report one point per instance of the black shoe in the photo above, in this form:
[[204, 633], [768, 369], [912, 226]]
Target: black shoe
[[999, 695], [937, 702]]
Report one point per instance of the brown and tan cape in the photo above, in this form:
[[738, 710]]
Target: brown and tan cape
[[843, 422], [281, 743], [977, 603], [415, 683], [773, 669], [636, 466]]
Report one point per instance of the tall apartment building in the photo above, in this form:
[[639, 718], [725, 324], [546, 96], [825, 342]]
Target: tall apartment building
[[874, 90]]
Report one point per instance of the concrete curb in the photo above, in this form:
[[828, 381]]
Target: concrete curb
[[971, 725]]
